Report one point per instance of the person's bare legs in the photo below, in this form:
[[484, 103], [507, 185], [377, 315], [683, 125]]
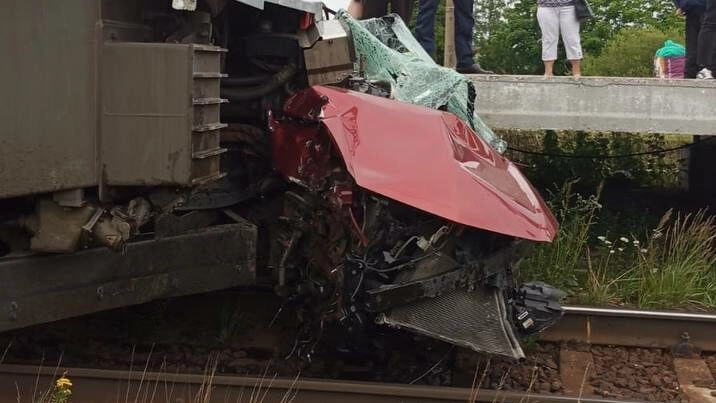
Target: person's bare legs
[[576, 68], [548, 68], [355, 9]]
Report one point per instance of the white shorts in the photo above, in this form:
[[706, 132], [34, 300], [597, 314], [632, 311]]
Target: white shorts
[[552, 21]]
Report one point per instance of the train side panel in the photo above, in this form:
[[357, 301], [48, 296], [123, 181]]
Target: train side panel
[[49, 81]]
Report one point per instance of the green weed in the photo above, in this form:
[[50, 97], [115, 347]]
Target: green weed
[[678, 266], [672, 265], [557, 263]]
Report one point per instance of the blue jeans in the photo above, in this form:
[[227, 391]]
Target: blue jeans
[[464, 23]]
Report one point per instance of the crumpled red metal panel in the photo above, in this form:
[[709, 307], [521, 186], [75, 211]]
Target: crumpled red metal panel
[[300, 152], [427, 159]]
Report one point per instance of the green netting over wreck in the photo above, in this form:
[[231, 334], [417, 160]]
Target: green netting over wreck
[[388, 52]]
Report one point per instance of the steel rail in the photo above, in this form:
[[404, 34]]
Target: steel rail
[[640, 314], [635, 328], [107, 386]]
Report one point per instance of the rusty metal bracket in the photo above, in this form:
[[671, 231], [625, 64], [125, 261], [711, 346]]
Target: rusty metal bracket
[[684, 348]]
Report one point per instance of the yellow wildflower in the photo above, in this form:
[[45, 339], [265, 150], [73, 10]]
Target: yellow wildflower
[[62, 391], [63, 384]]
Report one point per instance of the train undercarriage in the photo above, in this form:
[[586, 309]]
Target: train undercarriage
[[246, 143]]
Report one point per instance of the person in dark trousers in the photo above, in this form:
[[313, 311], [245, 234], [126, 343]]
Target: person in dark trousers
[[706, 53], [464, 23], [693, 11]]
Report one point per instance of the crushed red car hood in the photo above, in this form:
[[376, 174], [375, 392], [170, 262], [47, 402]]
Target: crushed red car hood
[[427, 159]]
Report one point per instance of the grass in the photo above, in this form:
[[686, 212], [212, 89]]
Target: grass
[[672, 265], [147, 390], [624, 256], [555, 263], [480, 375], [4, 354], [679, 266], [207, 389], [58, 391]]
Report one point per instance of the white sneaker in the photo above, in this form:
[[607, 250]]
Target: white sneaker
[[705, 74]]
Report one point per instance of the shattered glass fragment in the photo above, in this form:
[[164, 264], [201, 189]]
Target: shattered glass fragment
[[388, 52]]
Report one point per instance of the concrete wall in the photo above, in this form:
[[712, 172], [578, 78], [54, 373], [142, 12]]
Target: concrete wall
[[636, 105]]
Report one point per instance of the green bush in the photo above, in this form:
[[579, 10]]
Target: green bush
[[549, 167], [630, 53]]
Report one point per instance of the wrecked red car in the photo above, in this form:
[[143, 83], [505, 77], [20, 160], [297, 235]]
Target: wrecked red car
[[423, 220]]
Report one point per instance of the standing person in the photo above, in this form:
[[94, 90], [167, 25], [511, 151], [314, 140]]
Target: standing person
[[464, 23], [707, 42], [693, 10], [361, 9], [555, 16]]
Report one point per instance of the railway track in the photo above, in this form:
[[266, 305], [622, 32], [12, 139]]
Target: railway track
[[683, 335], [634, 328], [103, 386]]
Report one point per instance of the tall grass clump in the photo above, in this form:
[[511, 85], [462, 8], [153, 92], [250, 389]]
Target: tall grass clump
[[672, 266], [602, 283], [678, 267], [558, 263]]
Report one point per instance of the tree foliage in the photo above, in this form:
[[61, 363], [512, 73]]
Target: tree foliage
[[488, 17], [514, 45], [630, 53]]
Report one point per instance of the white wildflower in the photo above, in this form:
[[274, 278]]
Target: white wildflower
[[642, 250], [607, 243], [635, 242], [621, 249], [611, 251], [602, 238], [624, 239]]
